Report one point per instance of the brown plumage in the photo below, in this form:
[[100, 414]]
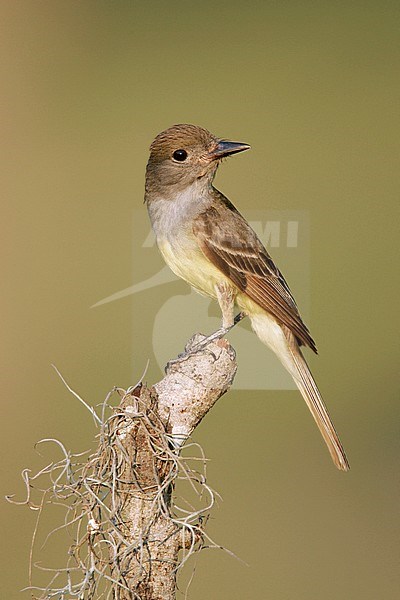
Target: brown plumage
[[246, 262], [207, 242]]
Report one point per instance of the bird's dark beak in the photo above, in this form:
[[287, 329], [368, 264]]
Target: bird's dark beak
[[226, 148]]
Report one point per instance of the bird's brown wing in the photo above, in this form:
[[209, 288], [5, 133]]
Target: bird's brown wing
[[232, 246]]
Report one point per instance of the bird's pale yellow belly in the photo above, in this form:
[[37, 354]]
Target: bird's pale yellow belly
[[187, 261]]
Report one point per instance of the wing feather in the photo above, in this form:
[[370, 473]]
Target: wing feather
[[232, 246]]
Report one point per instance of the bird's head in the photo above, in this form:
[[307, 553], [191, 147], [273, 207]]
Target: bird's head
[[185, 153]]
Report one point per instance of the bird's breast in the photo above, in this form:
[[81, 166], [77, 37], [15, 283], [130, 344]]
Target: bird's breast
[[172, 222], [186, 260]]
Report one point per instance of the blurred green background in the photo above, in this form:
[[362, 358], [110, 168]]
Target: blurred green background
[[314, 88]]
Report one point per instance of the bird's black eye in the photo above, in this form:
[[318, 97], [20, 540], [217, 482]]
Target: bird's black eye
[[180, 155]]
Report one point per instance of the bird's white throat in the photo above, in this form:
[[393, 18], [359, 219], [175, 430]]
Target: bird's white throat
[[177, 211]]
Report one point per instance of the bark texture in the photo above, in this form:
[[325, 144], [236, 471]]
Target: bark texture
[[153, 424]]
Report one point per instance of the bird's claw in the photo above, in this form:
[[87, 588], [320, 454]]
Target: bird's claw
[[202, 344]]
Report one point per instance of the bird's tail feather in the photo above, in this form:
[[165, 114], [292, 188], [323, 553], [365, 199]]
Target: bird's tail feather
[[284, 343], [311, 394]]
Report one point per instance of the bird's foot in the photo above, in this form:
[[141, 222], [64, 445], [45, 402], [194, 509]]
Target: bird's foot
[[192, 349], [217, 335]]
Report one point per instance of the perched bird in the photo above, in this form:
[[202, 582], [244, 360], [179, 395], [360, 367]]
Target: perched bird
[[207, 242]]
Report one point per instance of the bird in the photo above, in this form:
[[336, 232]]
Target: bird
[[205, 240]]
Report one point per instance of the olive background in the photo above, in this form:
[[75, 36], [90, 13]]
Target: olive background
[[314, 88]]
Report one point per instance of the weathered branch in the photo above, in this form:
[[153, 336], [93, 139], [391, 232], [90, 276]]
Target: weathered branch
[[192, 386], [129, 535], [177, 403]]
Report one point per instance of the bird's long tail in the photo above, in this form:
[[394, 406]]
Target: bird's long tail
[[311, 394], [284, 344]]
